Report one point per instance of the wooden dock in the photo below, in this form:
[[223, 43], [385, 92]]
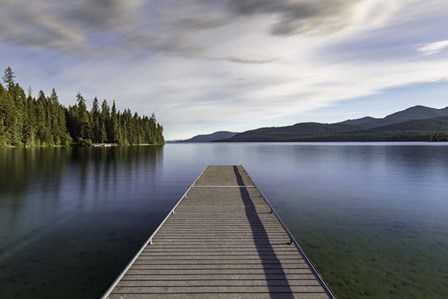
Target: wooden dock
[[222, 240]]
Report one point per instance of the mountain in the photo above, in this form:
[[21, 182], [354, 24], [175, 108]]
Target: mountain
[[209, 137], [433, 129], [418, 123], [291, 132], [412, 113], [364, 121], [417, 112], [421, 125]]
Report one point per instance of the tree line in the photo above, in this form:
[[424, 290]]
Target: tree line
[[43, 121]]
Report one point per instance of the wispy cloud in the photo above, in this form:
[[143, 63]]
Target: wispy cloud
[[433, 48], [71, 24], [103, 14], [33, 26], [317, 17], [247, 60]]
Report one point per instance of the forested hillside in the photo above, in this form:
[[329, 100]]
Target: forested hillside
[[299, 130], [409, 114], [209, 137], [43, 121], [418, 123], [433, 129]]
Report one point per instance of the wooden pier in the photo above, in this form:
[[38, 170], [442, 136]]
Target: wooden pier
[[222, 240]]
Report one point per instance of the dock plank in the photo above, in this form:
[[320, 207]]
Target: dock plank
[[222, 240], [223, 295]]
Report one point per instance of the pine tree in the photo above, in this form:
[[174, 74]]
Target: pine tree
[[9, 77], [58, 121], [112, 133], [3, 116], [13, 109], [29, 129], [19, 98], [71, 116], [84, 121], [105, 122], [43, 129], [96, 123]]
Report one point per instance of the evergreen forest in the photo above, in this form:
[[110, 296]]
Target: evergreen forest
[[43, 121]]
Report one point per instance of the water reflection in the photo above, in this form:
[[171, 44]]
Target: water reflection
[[373, 217], [61, 207]]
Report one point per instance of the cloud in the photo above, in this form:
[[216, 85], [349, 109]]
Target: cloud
[[105, 14], [296, 17], [205, 23], [184, 60], [155, 44], [302, 16], [251, 60], [67, 25], [78, 25], [30, 25], [433, 48]]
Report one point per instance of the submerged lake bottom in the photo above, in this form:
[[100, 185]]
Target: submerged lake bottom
[[373, 217]]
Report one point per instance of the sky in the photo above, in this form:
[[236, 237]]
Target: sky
[[208, 65]]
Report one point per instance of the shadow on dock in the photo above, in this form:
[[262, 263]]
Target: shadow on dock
[[265, 250]]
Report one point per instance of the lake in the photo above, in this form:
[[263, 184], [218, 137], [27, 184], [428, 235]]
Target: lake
[[373, 217]]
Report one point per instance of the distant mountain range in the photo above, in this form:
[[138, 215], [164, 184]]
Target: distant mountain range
[[418, 123], [413, 113], [208, 137]]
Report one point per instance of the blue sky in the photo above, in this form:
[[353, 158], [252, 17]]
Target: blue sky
[[208, 65]]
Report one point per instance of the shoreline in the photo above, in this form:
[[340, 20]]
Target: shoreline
[[96, 145]]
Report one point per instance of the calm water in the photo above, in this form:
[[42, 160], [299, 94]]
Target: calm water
[[372, 217]]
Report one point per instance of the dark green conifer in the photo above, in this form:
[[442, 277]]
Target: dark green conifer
[[96, 126], [9, 77], [25, 120], [105, 122]]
